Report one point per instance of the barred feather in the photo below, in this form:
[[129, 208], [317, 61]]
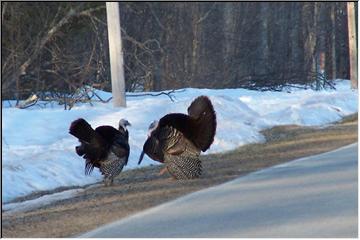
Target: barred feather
[[185, 166], [178, 139], [181, 156], [112, 166], [106, 148]]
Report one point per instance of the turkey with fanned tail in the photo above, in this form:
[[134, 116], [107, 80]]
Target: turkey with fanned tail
[[106, 147], [177, 139]]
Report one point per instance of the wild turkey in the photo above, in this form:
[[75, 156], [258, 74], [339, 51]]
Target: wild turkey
[[177, 139], [106, 147]]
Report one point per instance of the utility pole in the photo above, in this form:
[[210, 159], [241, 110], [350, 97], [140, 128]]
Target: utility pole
[[116, 54], [352, 45]]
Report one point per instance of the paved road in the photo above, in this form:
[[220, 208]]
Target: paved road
[[309, 197]]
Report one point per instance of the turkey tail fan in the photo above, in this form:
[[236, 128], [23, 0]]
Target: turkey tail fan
[[82, 130], [92, 144], [202, 110]]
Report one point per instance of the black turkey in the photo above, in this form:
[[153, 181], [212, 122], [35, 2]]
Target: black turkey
[[106, 147], [177, 139]]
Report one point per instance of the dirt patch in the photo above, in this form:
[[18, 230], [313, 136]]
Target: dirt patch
[[139, 189]]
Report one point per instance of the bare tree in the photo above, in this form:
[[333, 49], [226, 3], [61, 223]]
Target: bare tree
[[35, 51], [62, 47], [352, 44]]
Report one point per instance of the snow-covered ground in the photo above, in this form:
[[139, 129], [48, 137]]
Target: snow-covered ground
[[38, 152]]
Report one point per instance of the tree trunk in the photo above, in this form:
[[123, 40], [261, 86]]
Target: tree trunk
[[116, 54], [333, 41], [310, 38], [264, 46], [352, 44]]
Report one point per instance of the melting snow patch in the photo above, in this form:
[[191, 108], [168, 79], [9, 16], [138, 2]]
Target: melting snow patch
[[39, 202]]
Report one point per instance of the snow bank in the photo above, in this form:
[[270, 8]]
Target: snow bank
[[38, 152]]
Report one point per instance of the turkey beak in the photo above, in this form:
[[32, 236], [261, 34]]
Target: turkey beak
[[141, 157]]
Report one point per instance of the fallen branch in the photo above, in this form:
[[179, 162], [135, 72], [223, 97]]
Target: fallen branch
[[157, 94], [103, 101], [31, 101], [144, 94], [85, 95]]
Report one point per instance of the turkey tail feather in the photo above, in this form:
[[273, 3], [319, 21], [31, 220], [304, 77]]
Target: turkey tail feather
[[202, 111], [82, 130], [92, 146], [141, 157], [89, 167]]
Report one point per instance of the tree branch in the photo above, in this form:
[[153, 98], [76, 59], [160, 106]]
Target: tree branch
[[50, 34], [156, 18], [206, 14]]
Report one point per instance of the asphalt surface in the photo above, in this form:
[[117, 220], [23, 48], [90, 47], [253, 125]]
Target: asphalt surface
[[309, 197]]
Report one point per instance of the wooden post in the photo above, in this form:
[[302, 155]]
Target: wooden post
[[352, 45], [116, 54]]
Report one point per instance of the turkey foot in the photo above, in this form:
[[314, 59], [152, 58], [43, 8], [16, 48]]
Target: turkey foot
[[162, 171]]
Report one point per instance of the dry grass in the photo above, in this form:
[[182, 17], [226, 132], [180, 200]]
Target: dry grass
[[139, 189]]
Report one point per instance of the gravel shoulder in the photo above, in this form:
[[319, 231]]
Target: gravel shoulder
[[139, 189]]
